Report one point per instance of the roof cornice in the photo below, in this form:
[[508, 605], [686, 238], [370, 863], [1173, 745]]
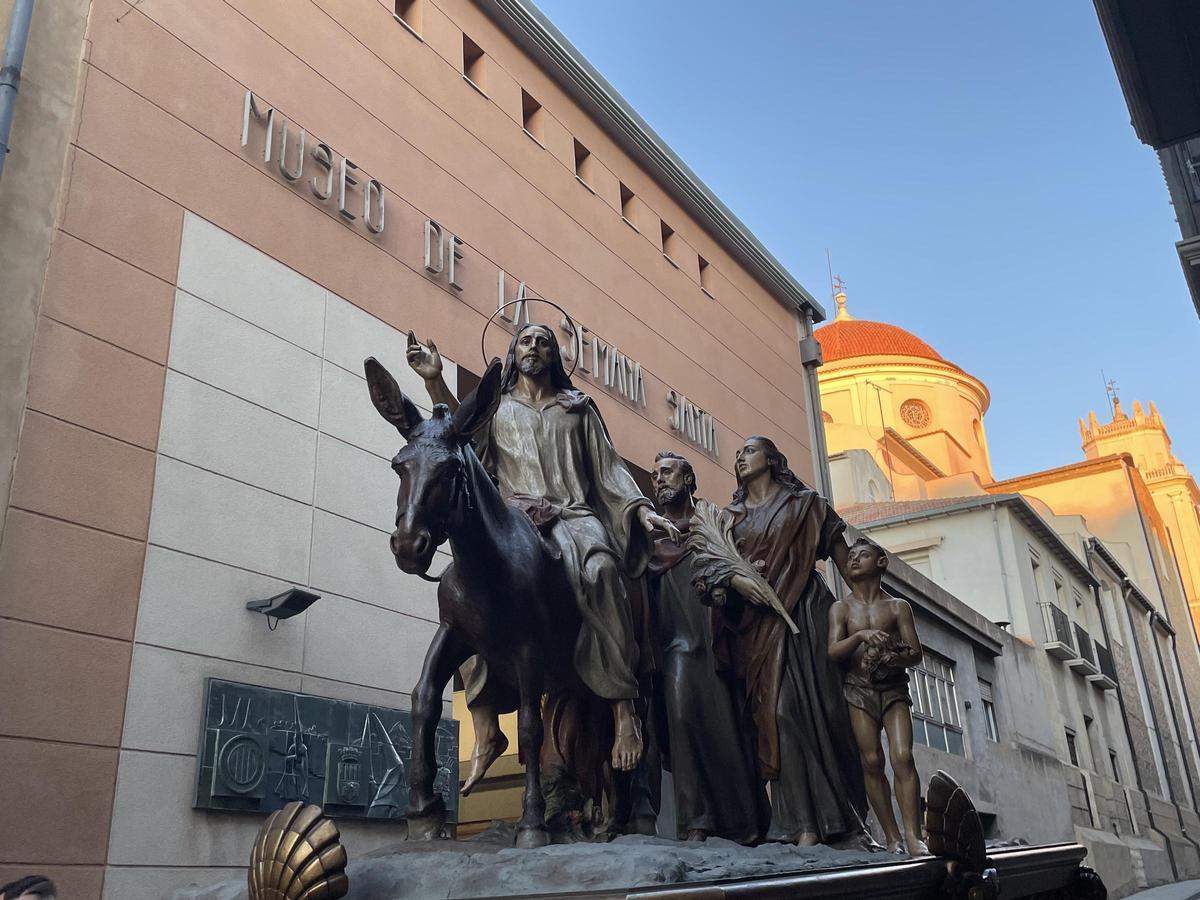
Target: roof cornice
[[551, 50], [1098, 548], [1023, 510], [1113, 461], [852, 366], [900, 441]]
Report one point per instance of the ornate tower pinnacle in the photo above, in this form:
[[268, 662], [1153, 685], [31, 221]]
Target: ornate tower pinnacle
[[839, 296]]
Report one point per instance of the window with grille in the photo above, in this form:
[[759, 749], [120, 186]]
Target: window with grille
[[937, 720]]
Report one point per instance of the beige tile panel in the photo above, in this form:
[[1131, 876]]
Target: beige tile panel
[[219, 349], [60, 685], [76, 377], [355, 484], [354, 560], [166, 694], [365, 645], [221, 432], [115, 213], [351, 335], [217, 518], [65, 792], [106, 297], [152, 809], [125, 882], [70, 473], [229, 273], [199, 606], [65, 575], [347, 413]]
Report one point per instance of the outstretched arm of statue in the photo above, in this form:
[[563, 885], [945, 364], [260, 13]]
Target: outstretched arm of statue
[[652, 522], [839, 552], [428, 364]]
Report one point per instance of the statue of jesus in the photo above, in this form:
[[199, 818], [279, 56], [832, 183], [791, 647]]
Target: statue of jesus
[[550, 454]]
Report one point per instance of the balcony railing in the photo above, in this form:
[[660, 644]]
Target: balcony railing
[[1086, 661], [1106, 678], [1058, 632]]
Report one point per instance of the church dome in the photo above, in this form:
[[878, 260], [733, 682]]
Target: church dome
[[847, 337], [855, 337]]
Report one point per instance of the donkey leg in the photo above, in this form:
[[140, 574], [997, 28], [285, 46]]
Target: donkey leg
[[426, 810], [531, 830]]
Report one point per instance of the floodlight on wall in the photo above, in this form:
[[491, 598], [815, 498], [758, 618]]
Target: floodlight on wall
[[283, 606]]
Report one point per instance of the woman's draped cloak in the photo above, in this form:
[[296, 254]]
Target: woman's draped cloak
[[805, 745]]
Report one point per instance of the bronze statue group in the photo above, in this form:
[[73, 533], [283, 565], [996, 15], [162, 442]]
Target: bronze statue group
[[589, 609]]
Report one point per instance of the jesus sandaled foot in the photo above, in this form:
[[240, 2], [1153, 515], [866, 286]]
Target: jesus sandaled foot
[[486, 753]]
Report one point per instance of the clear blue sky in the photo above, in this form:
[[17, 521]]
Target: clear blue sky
[[970, 166]]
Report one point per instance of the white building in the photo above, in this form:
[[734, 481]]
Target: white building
[[1001, 557]]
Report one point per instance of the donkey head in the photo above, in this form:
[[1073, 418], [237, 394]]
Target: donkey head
[[431, 465]]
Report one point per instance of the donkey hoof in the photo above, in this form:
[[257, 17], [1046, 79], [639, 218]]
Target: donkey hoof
[[530, 837]]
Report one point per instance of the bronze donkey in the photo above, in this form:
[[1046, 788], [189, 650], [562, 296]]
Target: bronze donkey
[[504, 597]]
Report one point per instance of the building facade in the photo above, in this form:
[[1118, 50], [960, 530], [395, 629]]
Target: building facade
[[1130, 504], [1068, 646], [219, 209]]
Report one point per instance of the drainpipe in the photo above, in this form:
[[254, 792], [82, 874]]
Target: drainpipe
[[1137, 770], [1180, 737], [1187, 700], [1166, 615], [1162, 750], [10, 70], [1003, 568], [810, 358]]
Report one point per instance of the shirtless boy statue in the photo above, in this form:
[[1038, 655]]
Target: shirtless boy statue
[[875, 638]]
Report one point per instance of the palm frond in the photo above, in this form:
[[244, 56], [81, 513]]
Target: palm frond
[[711, 540]]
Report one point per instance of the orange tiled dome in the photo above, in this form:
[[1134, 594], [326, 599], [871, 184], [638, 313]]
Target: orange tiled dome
[[845, 338]]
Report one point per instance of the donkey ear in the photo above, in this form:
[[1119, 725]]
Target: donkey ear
[[478, 407], [389, 400]]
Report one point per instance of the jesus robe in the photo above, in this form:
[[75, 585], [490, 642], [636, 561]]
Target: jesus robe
[[555, 460]]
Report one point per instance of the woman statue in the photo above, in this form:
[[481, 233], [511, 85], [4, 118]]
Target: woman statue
[[804, 744]]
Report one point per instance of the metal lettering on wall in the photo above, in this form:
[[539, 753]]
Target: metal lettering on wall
[[261, 749], [692, 422], [594, 359], [605, 364], [335, 175]]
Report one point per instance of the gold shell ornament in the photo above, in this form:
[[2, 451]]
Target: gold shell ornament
[[298, 855]]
